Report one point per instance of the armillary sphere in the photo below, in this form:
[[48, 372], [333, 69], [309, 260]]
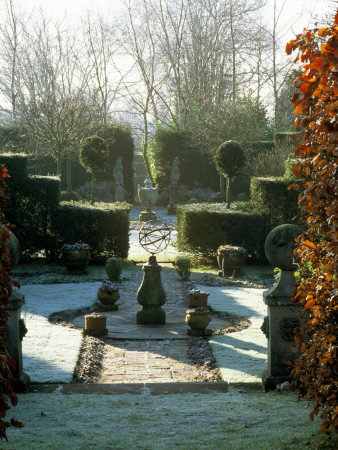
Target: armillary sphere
[[154, 236]]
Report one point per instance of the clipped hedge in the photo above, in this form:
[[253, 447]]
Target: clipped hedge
[[204, 227], [195, 166], [104, 226], [271, 196], [16, 164], [29, 210]]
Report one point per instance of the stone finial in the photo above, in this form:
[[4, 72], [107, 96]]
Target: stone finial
[[279, 246]]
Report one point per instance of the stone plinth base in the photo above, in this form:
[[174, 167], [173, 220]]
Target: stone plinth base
[[271, 382], [21, 385], [103, 332], [204, 332], [145, 216], [150, 315]]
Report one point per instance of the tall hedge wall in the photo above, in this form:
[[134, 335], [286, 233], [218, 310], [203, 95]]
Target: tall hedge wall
[[104, 226], [169, 143], [29, 210], [271, 195], [204, 227]]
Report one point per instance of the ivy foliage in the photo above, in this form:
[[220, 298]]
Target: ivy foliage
[[316, 108], [6, 390]]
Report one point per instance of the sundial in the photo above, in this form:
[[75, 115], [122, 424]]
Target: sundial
[[154, 236]]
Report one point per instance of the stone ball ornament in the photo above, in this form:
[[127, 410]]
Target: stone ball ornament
[[280, 244], [14, 249], [154, 236]]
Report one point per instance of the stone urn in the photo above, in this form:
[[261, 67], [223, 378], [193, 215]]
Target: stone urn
[[230, 257], [197, 298], [147, 196], [76, 257], [108, 295], [198, 319], [95, 324]]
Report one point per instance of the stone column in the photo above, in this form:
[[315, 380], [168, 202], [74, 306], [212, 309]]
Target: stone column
[[283, 314], [20, 380]]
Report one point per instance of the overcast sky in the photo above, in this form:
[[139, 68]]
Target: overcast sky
[[303, 12]]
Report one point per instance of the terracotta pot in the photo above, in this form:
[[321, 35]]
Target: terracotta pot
[[198, 320], [108, 299], [198, 300]]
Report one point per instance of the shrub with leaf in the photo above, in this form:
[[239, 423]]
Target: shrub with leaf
[[183, 267], [229, 160], [316, 104], [94, 157], [114, 268]]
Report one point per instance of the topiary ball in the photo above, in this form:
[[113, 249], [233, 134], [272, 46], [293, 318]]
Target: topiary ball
[[230, 159], [114, 268], [183, 267]]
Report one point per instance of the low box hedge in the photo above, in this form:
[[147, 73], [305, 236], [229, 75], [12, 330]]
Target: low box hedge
[[104, 226], [204, 227]]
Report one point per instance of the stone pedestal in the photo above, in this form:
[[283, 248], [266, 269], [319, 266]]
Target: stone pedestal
[[283, 318], [173, 194], [20, 380], [283, 315], [151, 295], [146, 215], [119, 193]]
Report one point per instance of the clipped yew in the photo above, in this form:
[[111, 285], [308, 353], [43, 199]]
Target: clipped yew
[[94, 157], [229, 160], [6, 391], [316, 107]]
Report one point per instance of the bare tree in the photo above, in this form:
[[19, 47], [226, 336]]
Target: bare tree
[[55, 109]]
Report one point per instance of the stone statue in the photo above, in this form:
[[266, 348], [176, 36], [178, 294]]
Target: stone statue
[[175, 172], [118, 180], [117, 172]]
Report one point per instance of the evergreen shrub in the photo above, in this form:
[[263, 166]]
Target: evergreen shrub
[[29, 210], [194, 166], [103, 226], [204, 227], [16, 165], [271, 196], [120, 142], [114, 268]]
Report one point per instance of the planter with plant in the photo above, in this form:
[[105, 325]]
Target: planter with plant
[[230, 257], [76, 256], [198, 298], [198, 319], [95, 324], [108, 294]]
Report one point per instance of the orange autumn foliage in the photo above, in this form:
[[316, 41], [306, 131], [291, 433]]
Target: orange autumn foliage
[[316, 105], [6, 390]]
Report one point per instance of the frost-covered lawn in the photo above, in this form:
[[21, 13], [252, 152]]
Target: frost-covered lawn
[[230, 420]]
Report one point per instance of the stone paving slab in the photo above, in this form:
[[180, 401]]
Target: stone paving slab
[[121, 324], [241, 356]]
